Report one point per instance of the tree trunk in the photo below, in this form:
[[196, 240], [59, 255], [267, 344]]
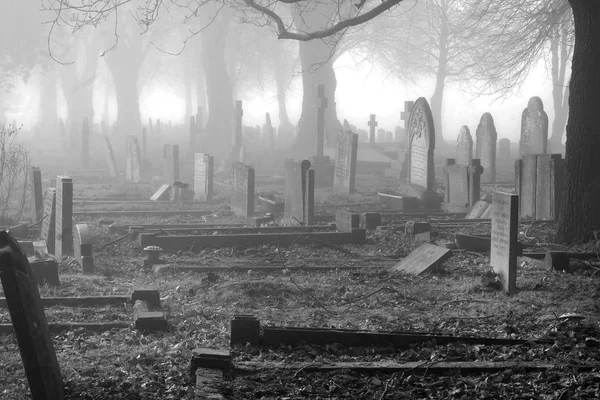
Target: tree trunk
[[281, 83], [580, 214], [437, 99], [559, 50], [187, 87], [48, 112], [219, 126]]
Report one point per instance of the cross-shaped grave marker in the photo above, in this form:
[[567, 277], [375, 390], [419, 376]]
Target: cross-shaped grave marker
[[372, 126]]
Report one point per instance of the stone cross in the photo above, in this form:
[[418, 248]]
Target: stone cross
[[372, 126], [321, 106]]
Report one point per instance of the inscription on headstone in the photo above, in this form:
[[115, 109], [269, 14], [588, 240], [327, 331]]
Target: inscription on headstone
[[503, 253], [421, 146], [344, 175], [203, 177]]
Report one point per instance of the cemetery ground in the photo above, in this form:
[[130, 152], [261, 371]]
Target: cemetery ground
[[359, 291]]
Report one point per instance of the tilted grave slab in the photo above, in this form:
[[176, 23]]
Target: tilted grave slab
[[425, 257]]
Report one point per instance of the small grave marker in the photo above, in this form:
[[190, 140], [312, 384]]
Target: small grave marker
[[242, 197], [505, 224], [82, 247], [425, 257], [203, 177]]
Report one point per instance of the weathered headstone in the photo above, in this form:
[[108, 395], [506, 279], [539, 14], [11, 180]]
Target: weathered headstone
[[48, 231], [505, 225], [82, 247], [539, 181], [37, 201], [242, 196], [203, 177], [64, 216], [344, 175], [133, 159], [534, 128], [427, 256], [486, 147], [296, 199], [504, 148], [372, 126], [110, 158], [464, 147], [171, 163], [463, 187], [85, 143], [29, 322]]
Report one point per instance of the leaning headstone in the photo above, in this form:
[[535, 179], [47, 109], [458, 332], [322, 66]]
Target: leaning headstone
[[64, 216], [29, 322], [295, 195], [242, 196], [486, 147], [203, 177], [48, 231], [171, 163], [133, 159], [426, 256], [110, 158], [504, 148], [82, 247], [534, 128], [503, 253], [344, 175], [37, 202], [464, 147]]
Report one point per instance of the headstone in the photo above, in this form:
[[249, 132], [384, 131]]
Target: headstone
[[463, 187], [48, 231], [37, 202], [344, 175], [29, 322], [380, 135], [486, 147], [203, 177], [181, 192], [133, 159], [405, 116], [64, 216], [162, 194], [242, 197], [534, 128], [504, 148], [426, 256], [389, 136], [82, 247], [321, 106], [85, 143], [539, 180], [171, 163], [503, 253], [525, 182], [417, 232], [296, 199], [110, 158], [464, 147]]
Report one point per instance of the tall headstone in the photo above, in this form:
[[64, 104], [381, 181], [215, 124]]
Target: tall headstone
[[29, 322], [110, 158], [48, 231], [85, 143], [203, 177], [37, 196], [464, 147], [539, 181], [486, 147], [64, 216], [133, 160], [534, 128], [463, 188], [344, 175], [171, 163], [503, 251], [297, 202], [504, 149], [372, 126], [242, 196]]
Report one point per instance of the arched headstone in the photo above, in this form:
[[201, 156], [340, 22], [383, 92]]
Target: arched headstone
[[464, 147], [486, 147], [534, 128]]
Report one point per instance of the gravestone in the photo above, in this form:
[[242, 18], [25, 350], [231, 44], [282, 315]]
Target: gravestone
[[539, 182], [48, 231], [464, 147], [534, 128], [344, 175], [242, 196], [503, 252], [85, 143], [486, 147], [298, 201], [372, 125], [321, 163], [203, 177], [64, 216], [380, 135], [37, 201], [171, 163], [463, 188], [420, 176], [29, 322], [133, 159], [269, 133], [504, 148], [82, 247], [110, 158], [426, 256]]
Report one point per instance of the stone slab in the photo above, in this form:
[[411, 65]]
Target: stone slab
[[425, 257]]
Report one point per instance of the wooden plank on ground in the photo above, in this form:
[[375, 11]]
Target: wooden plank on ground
[[423, 258]]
